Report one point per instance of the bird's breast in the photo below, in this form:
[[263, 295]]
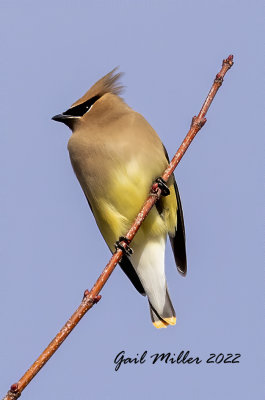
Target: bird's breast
[[116, 175]]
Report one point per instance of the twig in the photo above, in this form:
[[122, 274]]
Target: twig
[[92, 297]]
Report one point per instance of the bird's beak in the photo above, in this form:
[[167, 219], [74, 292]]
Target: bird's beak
[[61, 117]]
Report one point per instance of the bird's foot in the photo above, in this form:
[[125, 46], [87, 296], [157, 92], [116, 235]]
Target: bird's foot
[[123, 244], [162, 186]]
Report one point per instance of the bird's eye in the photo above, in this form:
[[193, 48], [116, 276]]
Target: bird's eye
[[81, 109]]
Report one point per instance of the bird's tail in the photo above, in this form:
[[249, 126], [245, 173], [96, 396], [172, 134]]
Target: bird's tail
[[166, 317], [148, 262]]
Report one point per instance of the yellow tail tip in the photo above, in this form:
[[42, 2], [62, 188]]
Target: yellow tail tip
[[170, 321], [160, 324], [165, 322]]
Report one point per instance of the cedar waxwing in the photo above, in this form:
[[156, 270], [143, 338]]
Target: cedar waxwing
[[116, 156]]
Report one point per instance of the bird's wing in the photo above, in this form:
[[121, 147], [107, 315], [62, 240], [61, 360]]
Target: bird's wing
[[177, 239], [127, 268]]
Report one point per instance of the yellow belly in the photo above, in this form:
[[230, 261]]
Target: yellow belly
[[123, 199]]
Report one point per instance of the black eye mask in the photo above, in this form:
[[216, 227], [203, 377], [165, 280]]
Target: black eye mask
[[81, 109]]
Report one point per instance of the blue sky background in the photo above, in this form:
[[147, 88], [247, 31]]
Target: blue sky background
[[50, 247]]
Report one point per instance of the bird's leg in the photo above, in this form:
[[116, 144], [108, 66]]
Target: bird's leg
[[125, 248], [162, 186]]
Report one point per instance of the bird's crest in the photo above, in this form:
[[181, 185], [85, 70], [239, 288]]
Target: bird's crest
[[108, 84]]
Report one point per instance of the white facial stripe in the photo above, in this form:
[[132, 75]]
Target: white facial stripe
[[89, 109]]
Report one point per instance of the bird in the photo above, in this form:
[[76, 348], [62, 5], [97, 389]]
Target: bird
[[116, 156]]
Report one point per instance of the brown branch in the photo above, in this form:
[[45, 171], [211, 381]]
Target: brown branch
[[92, 297]]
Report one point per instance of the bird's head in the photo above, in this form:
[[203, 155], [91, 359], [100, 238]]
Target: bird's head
[[90, 103]]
